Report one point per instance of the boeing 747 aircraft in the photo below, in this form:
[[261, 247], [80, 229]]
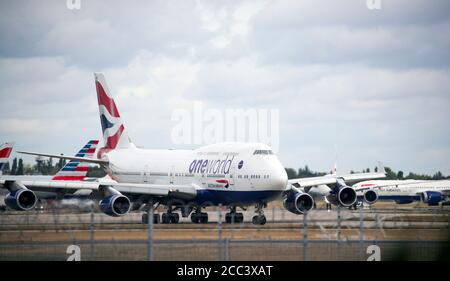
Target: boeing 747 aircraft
[[229, 174], [431, 192], [21, 198]]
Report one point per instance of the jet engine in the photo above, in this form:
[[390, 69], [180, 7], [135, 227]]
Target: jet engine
[[342, 195], [297, 202], [20, 198], [114, 203], [370, 196], [432, 198]]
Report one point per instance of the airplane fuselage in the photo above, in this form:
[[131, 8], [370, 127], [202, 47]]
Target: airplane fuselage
[[223, 173]]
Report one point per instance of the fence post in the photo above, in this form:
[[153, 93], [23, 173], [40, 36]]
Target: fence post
[[361, 233], [219, 230], [448, 226], [91, 233], [227, 249], [273, 214], [305, 236], [338, 233], [150, 231]]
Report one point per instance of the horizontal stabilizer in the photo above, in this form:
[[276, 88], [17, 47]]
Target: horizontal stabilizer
[[82, 159]]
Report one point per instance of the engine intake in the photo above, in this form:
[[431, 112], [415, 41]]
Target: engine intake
[[21, 199], [115, 205], [343, 196], [370, 196], [298, 202]]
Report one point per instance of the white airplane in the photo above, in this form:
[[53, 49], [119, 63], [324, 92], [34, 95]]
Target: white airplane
[[229, 174], [22, 199], [431, 192]]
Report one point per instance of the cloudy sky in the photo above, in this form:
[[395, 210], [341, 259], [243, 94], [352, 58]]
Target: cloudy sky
[[372, 82]]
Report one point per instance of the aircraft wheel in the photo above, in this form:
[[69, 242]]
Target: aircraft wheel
[[166, 218], [204, 217], [234, 217], [239, 217], [156, 218], [195, 218], [259, 220], [174, 218], [144, 218]]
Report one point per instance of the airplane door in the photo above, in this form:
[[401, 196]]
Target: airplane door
[[172, 175], [231, 176], [146, 174]]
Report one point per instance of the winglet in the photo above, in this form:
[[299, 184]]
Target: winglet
[[380, 168]]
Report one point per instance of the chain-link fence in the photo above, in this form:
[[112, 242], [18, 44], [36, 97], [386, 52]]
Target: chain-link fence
[[412, 233]]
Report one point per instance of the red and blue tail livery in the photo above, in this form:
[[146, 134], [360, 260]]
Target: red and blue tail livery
[[75, 170], [114, 133], [5, 152]]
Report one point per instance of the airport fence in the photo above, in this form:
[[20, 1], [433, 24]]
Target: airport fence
[[341, 234]]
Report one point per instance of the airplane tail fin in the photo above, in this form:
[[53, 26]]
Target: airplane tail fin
[[5, 152], [114, 133], [75, 170]]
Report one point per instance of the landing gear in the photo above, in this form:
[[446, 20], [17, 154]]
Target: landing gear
[[199, 217], [233, 217], [156, 218], [170, 217], [259, 219]]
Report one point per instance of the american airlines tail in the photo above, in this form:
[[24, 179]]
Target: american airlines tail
[[75, 170], [114, 133], [5, 152]]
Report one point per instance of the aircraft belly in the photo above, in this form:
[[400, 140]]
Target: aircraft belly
[[215, 197]]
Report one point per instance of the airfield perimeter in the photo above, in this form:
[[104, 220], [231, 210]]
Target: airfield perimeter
[[45, 235]]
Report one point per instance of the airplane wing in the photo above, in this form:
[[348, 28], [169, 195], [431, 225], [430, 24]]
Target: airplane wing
[[83, 159], [128, 188], [333, 179]]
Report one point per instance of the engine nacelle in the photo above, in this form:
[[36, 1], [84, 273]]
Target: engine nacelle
[[370, 196], [298, 202], [343, 196], [115, 205], [21, 199], [432, 198]]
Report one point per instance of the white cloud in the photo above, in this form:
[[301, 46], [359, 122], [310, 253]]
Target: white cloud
[[375, 84]]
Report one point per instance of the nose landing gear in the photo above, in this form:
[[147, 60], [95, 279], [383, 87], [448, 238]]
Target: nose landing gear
[[260, 218], [199, 217]]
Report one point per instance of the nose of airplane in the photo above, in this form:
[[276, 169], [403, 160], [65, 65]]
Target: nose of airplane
[[279, 178]]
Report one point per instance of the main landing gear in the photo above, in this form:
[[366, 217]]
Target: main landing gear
[[156, 218], [169, 217], [199, 217], [233, 217], [260, 218]]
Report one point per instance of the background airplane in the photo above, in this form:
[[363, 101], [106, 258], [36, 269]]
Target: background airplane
[[21, 198], [228, 174], [431, 192]]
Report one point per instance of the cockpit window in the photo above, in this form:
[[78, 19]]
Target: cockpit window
[[263, 152]]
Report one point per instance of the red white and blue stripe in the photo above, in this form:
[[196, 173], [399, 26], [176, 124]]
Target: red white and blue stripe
[[76, 170], [5, 152], [113, 129]]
